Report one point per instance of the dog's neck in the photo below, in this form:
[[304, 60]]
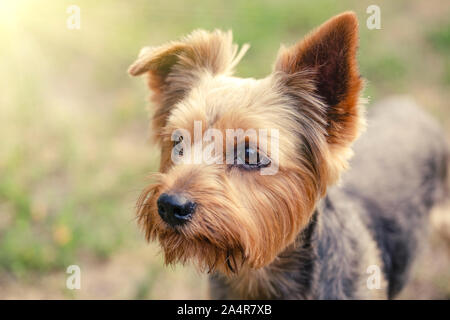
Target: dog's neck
[[295, 272], [290, 276]]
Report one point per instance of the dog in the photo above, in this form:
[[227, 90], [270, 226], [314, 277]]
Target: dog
[[311, 229]]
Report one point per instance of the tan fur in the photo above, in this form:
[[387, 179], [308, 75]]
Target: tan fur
[[175, 67]]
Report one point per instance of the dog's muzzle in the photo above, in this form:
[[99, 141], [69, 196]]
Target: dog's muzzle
[[175, 209]]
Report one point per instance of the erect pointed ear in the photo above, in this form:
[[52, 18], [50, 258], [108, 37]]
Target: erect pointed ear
[[328, 57], [174, 68]]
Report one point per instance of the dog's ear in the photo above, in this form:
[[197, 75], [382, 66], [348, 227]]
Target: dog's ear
[[327, 57], [174, 68]]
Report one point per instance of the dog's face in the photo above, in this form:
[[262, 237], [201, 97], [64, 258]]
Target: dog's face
[[230, 201]]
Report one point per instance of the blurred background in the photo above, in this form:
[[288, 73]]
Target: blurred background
[[74, 149]]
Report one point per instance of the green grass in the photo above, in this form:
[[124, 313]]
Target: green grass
[[439, 38]]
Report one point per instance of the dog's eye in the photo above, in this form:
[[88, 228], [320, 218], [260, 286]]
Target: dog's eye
[[177, 141], [251, 158], [176, 144]]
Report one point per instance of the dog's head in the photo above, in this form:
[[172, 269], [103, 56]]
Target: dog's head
[[244, 161]]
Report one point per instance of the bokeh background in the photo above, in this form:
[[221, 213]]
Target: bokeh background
[[74, 149]]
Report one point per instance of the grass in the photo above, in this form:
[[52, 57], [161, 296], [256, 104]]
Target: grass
[[440, 40], [73, 152]]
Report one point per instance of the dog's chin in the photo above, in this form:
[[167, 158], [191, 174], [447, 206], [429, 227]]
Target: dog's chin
[[207, 257]]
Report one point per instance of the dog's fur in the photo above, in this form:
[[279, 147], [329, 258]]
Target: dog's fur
[[290, 235]]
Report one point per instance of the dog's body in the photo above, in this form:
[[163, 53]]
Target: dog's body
[[378, 215], [269, 223]]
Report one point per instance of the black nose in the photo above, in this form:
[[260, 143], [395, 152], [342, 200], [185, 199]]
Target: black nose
[[175, 209]]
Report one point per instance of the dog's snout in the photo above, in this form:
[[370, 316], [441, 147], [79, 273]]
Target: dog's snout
[[175, 209]]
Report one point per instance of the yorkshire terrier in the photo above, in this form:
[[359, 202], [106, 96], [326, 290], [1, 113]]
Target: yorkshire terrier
[[266, 222]]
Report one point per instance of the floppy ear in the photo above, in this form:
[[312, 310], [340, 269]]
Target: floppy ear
[[327, 56], [174, 68]]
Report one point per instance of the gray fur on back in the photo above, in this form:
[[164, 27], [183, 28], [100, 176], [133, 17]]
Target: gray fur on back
[[398, 171]]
